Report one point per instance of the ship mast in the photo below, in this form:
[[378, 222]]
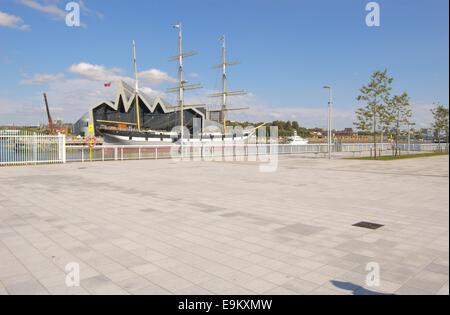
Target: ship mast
[[138, 118], [225, 93], [182, 86], [224, 82], [180, 78]]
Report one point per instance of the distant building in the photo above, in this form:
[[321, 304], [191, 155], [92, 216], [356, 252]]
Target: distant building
[[317, 133], [81, 127], [155, 113], [347, 132]]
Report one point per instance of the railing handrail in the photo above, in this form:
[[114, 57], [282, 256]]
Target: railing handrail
[[20, 148]]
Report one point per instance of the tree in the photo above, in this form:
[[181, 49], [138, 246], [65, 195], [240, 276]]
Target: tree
[[422, 134], [398, 113], [375, 95], [440, 115]]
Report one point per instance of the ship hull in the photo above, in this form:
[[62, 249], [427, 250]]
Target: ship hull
[[118, 137]]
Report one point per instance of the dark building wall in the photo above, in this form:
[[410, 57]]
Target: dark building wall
[[80, 128], [156, 120]]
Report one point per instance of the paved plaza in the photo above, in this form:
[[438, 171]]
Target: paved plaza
[[166, 227]]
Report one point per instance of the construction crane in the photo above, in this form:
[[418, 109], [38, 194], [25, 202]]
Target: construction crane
[[51, 128], [50, 120]]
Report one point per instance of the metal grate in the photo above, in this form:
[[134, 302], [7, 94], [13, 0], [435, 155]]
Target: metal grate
[[368, 225]]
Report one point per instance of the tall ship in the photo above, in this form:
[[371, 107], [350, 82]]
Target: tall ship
[[134, 118]]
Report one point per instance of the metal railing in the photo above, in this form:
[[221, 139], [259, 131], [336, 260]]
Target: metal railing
[[404, 147], [134, 152], [23, 148]]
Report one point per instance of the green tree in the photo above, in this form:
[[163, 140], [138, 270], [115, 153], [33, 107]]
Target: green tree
[[422, 133], [398, 113], [440, 124], [375, 95]]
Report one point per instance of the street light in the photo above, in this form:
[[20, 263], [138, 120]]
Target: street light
[[330, 117]]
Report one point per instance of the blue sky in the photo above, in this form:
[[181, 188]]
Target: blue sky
[[288, 48]]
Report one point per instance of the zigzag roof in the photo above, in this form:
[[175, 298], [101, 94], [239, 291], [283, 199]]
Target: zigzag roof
[[128, 95]]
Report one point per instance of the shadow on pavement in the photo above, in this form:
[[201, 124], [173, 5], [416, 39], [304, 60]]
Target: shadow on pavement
[[355, 289]]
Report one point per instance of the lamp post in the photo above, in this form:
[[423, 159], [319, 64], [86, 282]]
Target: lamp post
[[330, 118]]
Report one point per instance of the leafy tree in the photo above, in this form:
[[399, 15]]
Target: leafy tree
[[422, 133], [398, 113], [440, 115], [375, 95]]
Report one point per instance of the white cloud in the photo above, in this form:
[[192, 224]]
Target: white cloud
[[155, 76], [101, 73], [23, 112], [25, 27], [12, 21], [422, 114], [68, 99], [88, 11], [42, 78], [153, 93], [51, 9], [76, 96], [96, 72]]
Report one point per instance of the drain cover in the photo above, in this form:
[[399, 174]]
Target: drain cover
[[368, 225]]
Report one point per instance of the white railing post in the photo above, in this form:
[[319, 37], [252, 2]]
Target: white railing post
[[64, 157], [35, 153], [24, 147]]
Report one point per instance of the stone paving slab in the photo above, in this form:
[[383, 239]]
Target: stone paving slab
[[167, 227]]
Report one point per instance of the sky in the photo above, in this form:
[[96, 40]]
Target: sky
[[288, 49]]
